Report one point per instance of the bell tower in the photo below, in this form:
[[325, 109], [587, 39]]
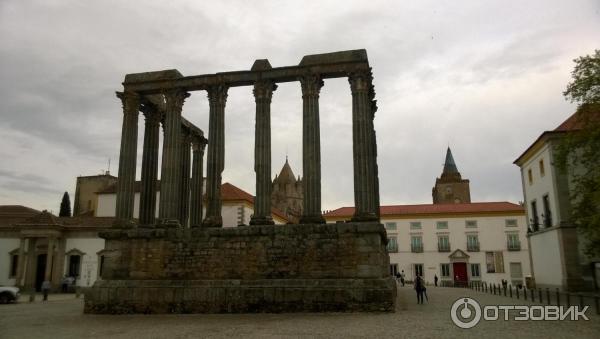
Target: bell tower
[[451, 188]]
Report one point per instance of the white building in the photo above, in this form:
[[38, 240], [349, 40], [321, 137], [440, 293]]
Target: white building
[[556, 253], [455, 239], [457, 242]]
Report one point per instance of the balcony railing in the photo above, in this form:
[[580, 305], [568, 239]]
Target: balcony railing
[[416, 248], [514, 245], [473, 247], [443, 247]]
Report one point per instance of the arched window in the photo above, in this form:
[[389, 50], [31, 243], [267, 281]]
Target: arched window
[[74, 258]]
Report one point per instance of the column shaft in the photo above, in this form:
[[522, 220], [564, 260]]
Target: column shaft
[[20, 263], [366, 196], [263, 93], [49, 261], [127, 159], [185, 178], [217, 96], [311, 149], [149, 166], [170, 185], [197, 181]]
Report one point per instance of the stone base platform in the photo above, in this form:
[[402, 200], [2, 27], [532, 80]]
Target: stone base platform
[[235, 296], [261, 268]]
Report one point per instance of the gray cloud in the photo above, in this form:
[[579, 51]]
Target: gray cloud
[[484, 77]]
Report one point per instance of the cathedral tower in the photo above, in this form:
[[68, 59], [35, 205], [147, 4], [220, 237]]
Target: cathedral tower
[[450, 188], [287, 194]]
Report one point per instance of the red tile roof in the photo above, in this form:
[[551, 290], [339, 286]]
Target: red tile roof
[[230, 192], [476, 207], [10, 214]]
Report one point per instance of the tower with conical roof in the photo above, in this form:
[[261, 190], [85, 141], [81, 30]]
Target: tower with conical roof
[[287, 194], [451, 188]]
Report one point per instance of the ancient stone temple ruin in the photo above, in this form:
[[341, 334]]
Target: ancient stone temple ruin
[[180, 263]]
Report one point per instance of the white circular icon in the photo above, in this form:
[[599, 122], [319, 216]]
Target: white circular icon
[[461, 317]]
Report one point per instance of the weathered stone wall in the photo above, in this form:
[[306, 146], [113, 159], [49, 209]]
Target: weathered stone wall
[[270, 268], [344, 250]]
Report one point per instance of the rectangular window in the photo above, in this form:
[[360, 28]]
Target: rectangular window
[[416, 225], [547, 213], [390, 226], [472, 242], [74, 265], [530, 176], [442, 225], [475, 271], [535, 221], [392, 245], [512, 242], [14, 264], [418, 269], [443, 243], [416, 244], [471, 224], [542, 169], [510, 222], [445, 270], [494, 262]]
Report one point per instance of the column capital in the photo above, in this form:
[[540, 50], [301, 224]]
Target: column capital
[[199, 142], [175, 97], [263, 89], [311, 84], [360, 81], [130, 101], [217, 94]]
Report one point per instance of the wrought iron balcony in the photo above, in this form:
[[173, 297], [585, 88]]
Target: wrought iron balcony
[[444, 247], [473, 247], [416, 248], [514, 245]]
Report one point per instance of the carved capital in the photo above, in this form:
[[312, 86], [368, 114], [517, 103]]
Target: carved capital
[[361, 82], [130, 101], [175, 98], [311, 85], [263, 89], [217, 94], [199, 143], [151, 113]]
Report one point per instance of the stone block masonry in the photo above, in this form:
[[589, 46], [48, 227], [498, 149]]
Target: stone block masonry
[[262, 268]]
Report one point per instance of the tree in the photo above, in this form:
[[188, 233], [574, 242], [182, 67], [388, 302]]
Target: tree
[[579, 152], [65, 206]]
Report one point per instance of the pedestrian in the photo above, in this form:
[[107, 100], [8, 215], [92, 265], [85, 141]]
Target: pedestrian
[[65, 284], [435, 280], [402, 278], [419, 286], [46, 288]]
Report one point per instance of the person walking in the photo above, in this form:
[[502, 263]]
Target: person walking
[[65, 284], [402, 278], [419, 286], [46, 288], [435, 280]]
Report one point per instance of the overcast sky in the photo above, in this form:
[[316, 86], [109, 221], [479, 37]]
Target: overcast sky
[[485, 77]]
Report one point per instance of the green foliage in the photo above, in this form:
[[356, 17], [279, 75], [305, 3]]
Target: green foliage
[[65, 206], [579, 153]]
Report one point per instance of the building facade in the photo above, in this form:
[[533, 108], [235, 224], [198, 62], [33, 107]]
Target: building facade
[[457, 242], [557, 258]]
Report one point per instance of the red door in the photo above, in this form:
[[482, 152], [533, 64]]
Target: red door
[[460, 273]]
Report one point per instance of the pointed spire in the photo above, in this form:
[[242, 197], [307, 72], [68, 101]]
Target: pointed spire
[[449, 164]]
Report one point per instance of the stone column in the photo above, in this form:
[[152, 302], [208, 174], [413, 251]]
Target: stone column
[[49, 257], [170, 184], [20, 263], [185, 177], [263, 92], [29, 282], [149, 166], [217, 97], [127, 159], [311, 150], [198, 144], [366, 200]]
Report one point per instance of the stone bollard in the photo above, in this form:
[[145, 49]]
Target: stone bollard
[[568, 299], [525, 293], [548, 296], [510, 291], [557, 297], [580, 300], [517, 291], [540, 296]]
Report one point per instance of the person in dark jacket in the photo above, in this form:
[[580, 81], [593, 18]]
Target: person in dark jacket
[[420, 288], [435, 280]]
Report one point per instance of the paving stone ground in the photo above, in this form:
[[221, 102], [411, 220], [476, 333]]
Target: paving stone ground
[[62, 317]]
